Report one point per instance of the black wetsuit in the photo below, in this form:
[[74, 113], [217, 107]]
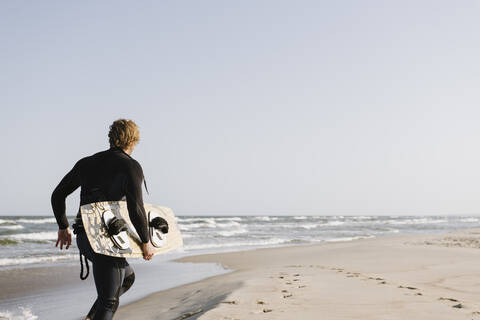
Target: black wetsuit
[[109, 175]]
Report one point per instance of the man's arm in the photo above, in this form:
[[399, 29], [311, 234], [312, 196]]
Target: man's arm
[[136, 210], [68, 184]]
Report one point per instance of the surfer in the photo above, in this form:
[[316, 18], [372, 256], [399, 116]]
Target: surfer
[[110, 175]]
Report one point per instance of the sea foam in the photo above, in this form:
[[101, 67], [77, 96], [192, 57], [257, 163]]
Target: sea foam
[[38, 259], [21, 314]]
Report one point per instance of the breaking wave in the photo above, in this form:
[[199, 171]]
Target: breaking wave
[[20, 314], [38, 259]]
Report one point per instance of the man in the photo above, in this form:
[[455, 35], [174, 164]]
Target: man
[[110, 175]]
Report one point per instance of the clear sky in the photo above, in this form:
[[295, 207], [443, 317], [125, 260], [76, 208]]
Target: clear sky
[[248, 107]]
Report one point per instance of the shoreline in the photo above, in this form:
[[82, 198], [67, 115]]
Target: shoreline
[[286, 281], [422, 276], [28, 293]]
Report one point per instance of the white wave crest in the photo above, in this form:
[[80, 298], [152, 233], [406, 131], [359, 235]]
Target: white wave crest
[[300, 217], [12, 227], [207, 223], [21, 314], [362, 217], [469, 220], [417, 221], [265, 218], [228, 224], [309, 226], [37, 221], [187, 235], [208, 220], [333, 223], [186, 219], [349, 238], [197, 226], [269, 242], [229, 219], [39, 259], [36, 236], [2, 221], [230, 233]]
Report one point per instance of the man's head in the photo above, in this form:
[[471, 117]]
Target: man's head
[[124, 134]]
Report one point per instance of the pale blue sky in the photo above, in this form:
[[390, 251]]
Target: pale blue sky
[[248, 107]]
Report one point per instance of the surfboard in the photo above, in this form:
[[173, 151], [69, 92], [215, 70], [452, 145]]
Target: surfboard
[[127, 243]]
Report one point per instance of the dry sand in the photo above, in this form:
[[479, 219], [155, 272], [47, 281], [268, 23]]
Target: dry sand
[[401, 277]]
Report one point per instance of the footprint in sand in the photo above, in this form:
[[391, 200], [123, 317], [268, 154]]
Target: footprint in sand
[[418, 293], [230, 302], [284, 291], [303, 286], [353, 274], [375, 278], [409, 288], [261, 302], [458, 306], [287, 295], [189, 314], [267, 310], [449, 299], [295, 266]]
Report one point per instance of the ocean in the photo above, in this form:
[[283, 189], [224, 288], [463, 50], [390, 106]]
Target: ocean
[[29, 241]]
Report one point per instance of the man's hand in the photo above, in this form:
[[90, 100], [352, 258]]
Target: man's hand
[[64, 238], [148, 251]]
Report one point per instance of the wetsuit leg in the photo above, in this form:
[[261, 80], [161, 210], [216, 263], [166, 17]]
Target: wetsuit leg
[[128, 281], [113, 276], [109, 276], [84, 247]]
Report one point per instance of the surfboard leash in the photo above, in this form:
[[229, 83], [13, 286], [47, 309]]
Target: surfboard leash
[[83, 277]]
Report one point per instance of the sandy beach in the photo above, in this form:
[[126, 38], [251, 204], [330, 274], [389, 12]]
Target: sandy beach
[[434, 276], [397, 277]]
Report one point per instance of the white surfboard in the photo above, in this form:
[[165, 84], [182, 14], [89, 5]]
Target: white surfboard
[[97, 216]]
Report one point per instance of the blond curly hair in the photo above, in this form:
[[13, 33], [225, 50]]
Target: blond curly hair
[[123, 133]]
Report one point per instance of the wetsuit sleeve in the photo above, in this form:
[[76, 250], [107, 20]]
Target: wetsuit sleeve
[[136, 210], [68, 184]]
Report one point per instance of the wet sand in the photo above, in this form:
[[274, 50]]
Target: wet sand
[[35, 281], [399, 277]]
